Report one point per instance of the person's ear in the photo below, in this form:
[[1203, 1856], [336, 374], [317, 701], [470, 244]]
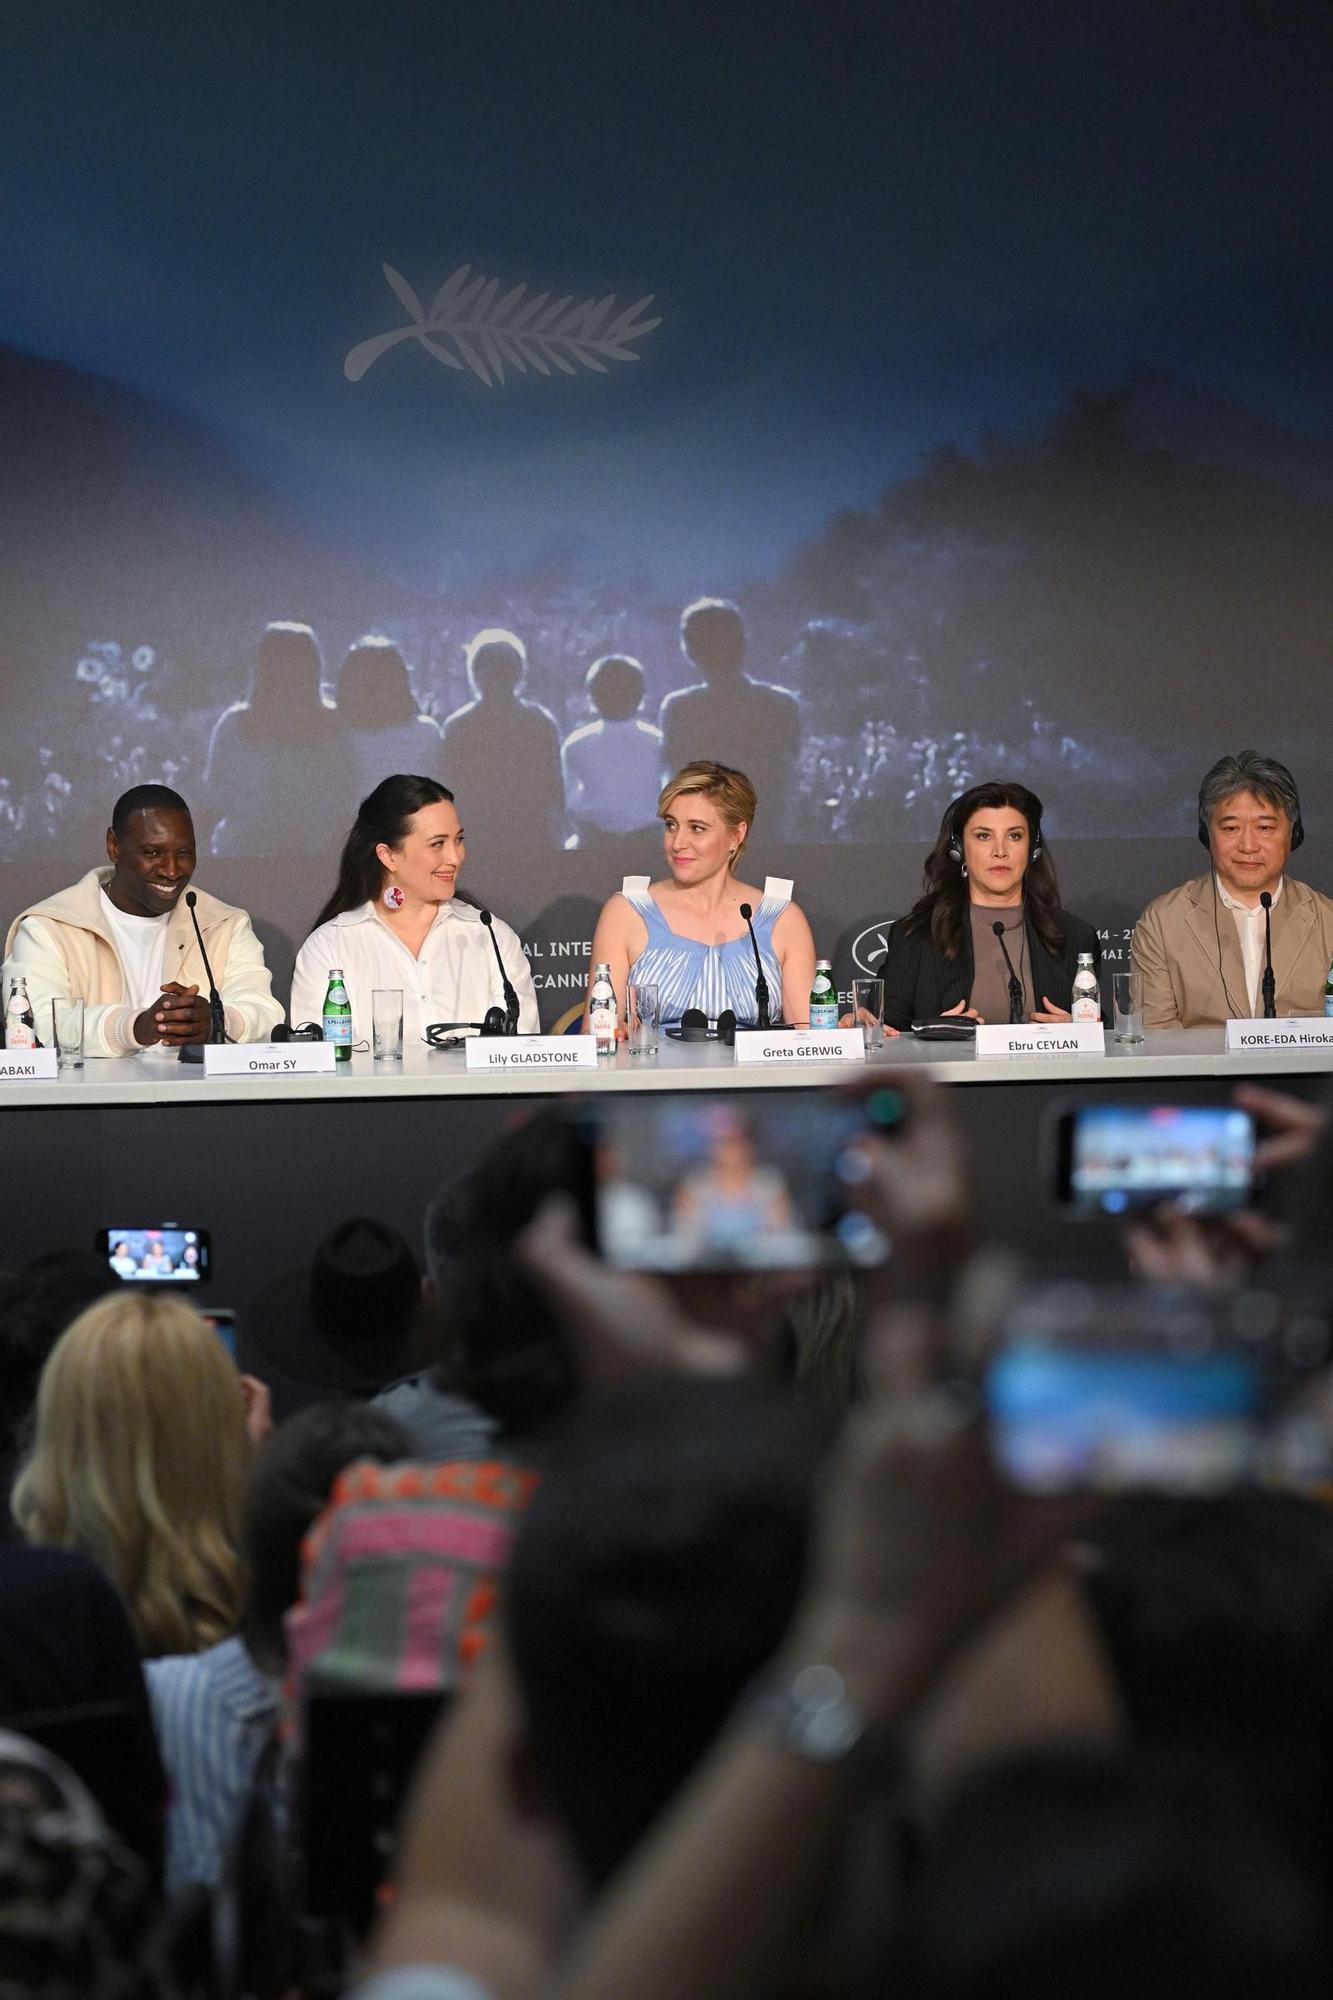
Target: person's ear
[[382, 853], [112, 846]]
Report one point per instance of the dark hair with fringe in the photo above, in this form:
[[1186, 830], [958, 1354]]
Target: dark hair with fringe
[[943, 909], [384, 815]]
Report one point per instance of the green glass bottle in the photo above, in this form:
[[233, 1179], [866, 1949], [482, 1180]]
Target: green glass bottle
[[338, 1017], [823, 997]]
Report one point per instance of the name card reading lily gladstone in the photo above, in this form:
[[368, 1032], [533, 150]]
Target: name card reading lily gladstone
[[268, 1058], [791, 1047], [1287, 1033], [27, 1065], [531, 1052], [1042, 1038]]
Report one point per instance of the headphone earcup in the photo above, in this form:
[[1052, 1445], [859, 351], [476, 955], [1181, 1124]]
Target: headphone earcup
[[694, 1025], [1205, 842], [1297, 832], [726, 1027], [955, 853]]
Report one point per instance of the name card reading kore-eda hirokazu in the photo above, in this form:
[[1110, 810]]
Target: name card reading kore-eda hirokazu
[[1042, 1038], [1312, 1032], [776, 1046], [268, 1058], [531, 1052]]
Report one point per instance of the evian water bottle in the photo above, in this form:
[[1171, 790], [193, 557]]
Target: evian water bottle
[[20, 1028], [603, 1013], [1087, 994]]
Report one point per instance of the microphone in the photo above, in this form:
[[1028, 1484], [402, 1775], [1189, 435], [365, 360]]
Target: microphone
[[1015, 983], [511, 998], [1269, 982], [760, 983], [192, 1052]]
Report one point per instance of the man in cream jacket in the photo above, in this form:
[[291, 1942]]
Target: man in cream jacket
[[122, 941]]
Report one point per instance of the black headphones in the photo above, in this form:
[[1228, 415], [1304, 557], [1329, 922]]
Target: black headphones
[[955, 847], [694, 1027]]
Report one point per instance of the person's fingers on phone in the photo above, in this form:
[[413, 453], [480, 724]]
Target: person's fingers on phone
[[623, 1325], [914, 1182], [1291, 1127]]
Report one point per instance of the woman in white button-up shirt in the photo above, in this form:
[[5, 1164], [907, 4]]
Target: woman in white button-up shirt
[[394, 921]]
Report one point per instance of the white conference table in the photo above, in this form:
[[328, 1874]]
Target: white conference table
[[1189, 1054], [270, 1164]]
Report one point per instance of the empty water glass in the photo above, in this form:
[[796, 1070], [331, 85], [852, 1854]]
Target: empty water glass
[[1127, 999], [868, 1010], [386, 1023], [67, 1033], [645, 1018]]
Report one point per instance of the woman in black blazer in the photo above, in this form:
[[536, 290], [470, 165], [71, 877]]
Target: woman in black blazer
[[988, 866]]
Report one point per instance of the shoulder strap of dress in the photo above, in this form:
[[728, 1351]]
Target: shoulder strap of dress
[[777, 894]]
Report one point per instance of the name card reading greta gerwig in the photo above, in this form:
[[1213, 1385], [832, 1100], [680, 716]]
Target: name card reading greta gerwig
[[27, 1065], [531, 1052], [776, 1046], [1288, 1033], [268, 1058], [1042, 1038]]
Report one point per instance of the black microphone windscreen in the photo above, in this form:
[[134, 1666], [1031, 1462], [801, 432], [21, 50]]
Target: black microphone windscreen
[[1265, 900], [485, 917], [190, 899], [746, 912], [998, 928]]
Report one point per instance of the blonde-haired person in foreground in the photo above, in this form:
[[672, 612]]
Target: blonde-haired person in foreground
[[139, 1460], [686, 933]]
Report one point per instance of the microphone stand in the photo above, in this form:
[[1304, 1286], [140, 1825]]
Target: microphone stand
[[760, 983], [193, 1052], [511, 997], [1269, 986], [1015, 983]]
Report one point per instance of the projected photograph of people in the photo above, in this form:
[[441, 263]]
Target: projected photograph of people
[[907, 480]]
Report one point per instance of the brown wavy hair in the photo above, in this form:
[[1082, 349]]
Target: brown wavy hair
[[943, 909]]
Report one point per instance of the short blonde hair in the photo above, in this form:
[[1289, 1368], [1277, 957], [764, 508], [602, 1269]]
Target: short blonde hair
[[729, 790], [139, 1460]]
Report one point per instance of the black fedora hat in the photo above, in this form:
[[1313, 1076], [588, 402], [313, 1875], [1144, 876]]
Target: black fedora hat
[[347, 1325]]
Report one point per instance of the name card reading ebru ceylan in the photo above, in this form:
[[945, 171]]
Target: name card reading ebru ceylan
[[1041, 1038]]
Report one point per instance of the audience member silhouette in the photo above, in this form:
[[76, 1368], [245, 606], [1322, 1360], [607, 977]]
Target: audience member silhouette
[[386, 731], [502, 755], [611, 765], [279, 773], [727, 716]]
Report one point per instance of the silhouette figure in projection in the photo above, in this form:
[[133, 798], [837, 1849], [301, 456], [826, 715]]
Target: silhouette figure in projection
[[611, 765], [386, 731], [502, 755], [728, 717], [279, 772]]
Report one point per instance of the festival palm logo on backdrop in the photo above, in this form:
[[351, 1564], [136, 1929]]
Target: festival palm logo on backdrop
[[471, 326]]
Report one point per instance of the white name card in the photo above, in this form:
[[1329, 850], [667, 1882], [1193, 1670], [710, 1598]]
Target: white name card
[[1042, 1038], [268, 1058], [802, 1045], [531, 1052], [1287, 1033], [27, 1065]]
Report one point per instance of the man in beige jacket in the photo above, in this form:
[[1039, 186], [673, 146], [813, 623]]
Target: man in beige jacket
[[122, 941], [1200, 947]]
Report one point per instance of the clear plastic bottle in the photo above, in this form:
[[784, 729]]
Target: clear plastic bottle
[[823, 996], [337, 1021], [20, 1028], [1328, 995], [1087, 993], [603, 1013]]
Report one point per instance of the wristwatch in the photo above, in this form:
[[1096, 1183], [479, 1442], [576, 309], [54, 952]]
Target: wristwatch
[[812, 1714]]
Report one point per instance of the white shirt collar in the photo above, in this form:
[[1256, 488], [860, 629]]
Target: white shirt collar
[[366, 913], [1229, 902]]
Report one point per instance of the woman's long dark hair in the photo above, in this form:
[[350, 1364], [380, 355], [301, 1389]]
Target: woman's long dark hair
[[382, 816], [943, 910]]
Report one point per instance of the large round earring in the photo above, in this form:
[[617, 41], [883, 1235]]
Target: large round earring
[[393, 898]]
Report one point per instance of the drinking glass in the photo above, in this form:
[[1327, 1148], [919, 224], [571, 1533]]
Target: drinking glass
[[868, 1010], [67, 1033], [386, 1023], [645, 1018], [1127, 998]]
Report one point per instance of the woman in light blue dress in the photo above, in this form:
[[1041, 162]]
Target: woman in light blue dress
[[686, 933]]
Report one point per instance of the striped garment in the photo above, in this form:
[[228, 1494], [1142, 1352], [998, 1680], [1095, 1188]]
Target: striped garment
[[214, 1712], [401, 1574], [712, 977]]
